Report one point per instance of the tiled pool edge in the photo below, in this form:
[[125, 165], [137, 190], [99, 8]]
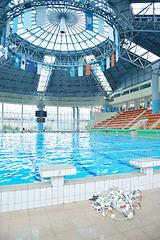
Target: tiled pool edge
[[34, 195]]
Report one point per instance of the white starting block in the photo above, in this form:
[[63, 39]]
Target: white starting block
[[57, 173], [145, 164]]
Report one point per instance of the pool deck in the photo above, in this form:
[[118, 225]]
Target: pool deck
[[43, 194], [77, 221]]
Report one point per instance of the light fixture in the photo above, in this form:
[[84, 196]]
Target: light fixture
[[62, 25]]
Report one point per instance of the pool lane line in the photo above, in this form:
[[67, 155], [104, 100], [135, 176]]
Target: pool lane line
[[35, 168], [128, 151], [119, 149], [82, 166], [119, 161]]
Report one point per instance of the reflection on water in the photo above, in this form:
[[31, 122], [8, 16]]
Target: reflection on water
[[21, 154]]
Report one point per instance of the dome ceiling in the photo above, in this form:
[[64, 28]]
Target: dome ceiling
[[76, 40]]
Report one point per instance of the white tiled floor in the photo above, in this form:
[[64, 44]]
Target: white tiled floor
[[77, 221]]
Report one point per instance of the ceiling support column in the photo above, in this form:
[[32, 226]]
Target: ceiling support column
[[40, 107], [146, 102], [135, 104], [126, 106], [155, 94], [22, 117], [74, 119], [57, 116], [2, 116], [78, 119]]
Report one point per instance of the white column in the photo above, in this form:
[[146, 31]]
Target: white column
[[74, 119], [22, 117], [2, 116], [40, 107], [135, 104], [62, 25], [155, 94], [126, 106], [57, 117], [146, 102], [91, 115], [77, 118]]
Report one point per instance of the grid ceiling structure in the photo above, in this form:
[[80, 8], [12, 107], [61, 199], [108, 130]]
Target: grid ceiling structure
[[75, 38], [138, 24]]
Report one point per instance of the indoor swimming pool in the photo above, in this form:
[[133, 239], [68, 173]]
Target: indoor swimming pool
[[21, 154]]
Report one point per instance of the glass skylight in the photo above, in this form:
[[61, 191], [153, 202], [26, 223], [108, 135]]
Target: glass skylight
[[136, 49], [1, 51], [99, 73], [49, 36], [16, 2], [44, 78], [146, 8], [46, 72]]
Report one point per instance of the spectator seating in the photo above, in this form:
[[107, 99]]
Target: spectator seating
[[103, 123], [145, 115], [128, 119], [123, 119]]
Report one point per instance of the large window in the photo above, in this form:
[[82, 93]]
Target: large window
[[51, 120], [12, 117], [29, 119], [141, 52], [134, 89], [146, 8], [84, 118], [147, 85], [1, 113], [125, 92], [66, 118]]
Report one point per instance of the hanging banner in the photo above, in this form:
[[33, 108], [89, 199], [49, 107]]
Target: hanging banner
[[41, 16], [119, 50], [95, 68], [8, 28], [108, 62], [6, 52], [16, 60], [88, 69], [80, 71], [89, 20], [111, 35], [112, 60], [31, 66], [72, 71], [101, 26], [39, 68], [116, 37], [23, 63], [102, 65], [15, 25], [117, 54], [116, 42], [3, 36], [27, 19]]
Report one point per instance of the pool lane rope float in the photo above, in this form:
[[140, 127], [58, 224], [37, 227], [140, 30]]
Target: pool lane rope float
[[123, 201]]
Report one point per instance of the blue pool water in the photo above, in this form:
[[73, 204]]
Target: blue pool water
[[21, 154]]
